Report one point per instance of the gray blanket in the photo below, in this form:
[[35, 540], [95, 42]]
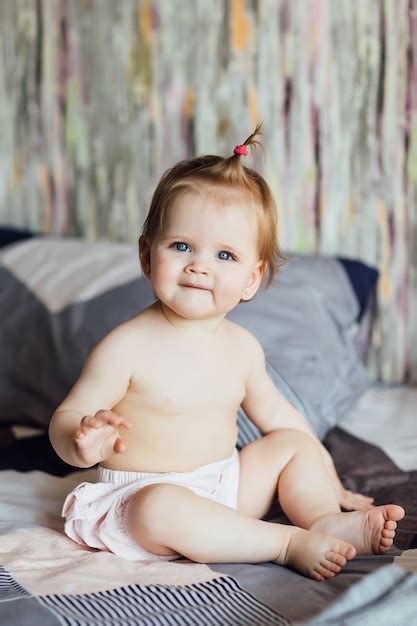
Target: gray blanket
[[387, 597]]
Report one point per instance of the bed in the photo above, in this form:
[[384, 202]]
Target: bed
[[58, 297]]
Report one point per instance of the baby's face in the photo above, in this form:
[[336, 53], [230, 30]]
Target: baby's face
[[206, 259]]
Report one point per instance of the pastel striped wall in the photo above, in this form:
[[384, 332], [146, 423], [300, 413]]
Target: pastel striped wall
[[98, 97]]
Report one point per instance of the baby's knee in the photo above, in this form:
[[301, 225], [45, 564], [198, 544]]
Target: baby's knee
[[147, 521], [150, 503], [150, 509], [297, 440]]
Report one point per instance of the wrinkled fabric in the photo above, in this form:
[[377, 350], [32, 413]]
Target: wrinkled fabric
[[96, 513]]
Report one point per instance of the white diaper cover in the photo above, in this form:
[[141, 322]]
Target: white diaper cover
[[96, 513]]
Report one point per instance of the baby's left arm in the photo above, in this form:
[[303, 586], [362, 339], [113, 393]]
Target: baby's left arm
[[269, 410], [263, 403]]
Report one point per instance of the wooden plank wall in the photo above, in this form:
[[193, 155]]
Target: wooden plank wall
[[99, 97]]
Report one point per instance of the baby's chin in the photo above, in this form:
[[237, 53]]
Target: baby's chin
[[195, 313], [194, 310]]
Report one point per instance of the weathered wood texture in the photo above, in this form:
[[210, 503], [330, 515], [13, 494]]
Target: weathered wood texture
[[99, 97]]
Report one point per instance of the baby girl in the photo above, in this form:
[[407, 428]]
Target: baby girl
[[156, 402]]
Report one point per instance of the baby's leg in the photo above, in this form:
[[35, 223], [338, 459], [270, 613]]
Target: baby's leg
[[168, 519], [290, 463]]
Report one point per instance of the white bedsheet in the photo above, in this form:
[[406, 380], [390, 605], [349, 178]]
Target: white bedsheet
[[386, 415], [41, 558]]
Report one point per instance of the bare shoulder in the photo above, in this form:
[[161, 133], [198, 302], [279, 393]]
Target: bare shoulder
[[129, 334], [246, 343], [239, 333]]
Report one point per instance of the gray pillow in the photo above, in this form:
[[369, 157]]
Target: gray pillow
[[305, 324]]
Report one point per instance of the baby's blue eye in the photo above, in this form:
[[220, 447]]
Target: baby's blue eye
[[181, 246], [228, 256]]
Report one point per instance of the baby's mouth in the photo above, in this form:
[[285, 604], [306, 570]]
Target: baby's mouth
[[195, 287]]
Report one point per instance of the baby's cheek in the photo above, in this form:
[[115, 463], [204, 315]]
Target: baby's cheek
[[232, 289]]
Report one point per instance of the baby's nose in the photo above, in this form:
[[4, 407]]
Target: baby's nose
[[197, 266]]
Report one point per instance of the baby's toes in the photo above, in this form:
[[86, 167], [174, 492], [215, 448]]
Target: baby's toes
[[388, 534], [336, 558], [332, 567], [348, 551], [324, 572], [385, 543]]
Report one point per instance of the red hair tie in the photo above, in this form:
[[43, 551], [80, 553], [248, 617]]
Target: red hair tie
[[241, 150]]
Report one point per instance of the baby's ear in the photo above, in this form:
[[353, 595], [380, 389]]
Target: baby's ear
[[145, 255], [255, 280]]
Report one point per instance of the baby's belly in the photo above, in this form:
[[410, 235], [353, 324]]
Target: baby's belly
[[174, 445]]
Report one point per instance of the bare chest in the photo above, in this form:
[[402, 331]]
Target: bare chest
[[180, 378]]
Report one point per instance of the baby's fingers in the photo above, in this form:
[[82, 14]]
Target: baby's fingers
[[89, 421], [359, 497], [120, 445], [356, 501], [119, 421], [364, 503], [114, 420], [83, 427]]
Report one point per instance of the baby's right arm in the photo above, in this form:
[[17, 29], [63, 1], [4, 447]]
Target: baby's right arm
[[83, 430]]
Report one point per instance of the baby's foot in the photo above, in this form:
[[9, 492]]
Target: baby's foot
[[316, 555], [370, 532]]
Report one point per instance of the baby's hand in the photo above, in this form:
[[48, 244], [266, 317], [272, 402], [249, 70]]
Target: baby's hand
[[98, 436], [352, 501]]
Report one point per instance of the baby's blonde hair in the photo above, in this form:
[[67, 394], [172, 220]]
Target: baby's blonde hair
[[224, 180]]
